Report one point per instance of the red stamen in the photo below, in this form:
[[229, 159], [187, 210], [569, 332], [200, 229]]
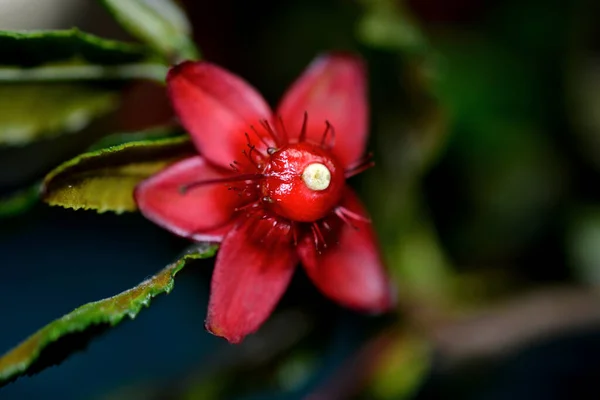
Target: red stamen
[[317, 236], [302, 136], [243, 177], [258, 135], [361, 169], [271, 132], [271, 229], [346, 215], [255, 157], [345, 220], [294, 233], [253, 148], [253, 218], [278, 232], [328, 128], [360, 166], [252, 204], [283, 130]]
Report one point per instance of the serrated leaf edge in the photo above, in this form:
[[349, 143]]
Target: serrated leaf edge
[[50, 334]]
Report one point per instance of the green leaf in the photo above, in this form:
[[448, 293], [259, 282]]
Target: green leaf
[[154, 133], [23, 199], [66, 55], [64, 336], [33, 48], [71, 72], [104, 180], [159, 23], [19, 201], [33, 112]]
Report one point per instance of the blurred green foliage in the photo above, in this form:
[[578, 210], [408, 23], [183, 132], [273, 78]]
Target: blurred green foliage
[[159, 23], [37, 112]]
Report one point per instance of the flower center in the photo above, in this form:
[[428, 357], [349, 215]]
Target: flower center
[[304, 182], [316, 176]]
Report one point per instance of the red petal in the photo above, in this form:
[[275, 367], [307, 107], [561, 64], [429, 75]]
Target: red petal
[[201, 213], [350, 272], [217, 108], [250, 277], [333, 89]]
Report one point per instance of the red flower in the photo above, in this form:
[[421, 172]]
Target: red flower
[[272, 189]]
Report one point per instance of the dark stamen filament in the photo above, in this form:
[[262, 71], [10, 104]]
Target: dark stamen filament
[[329, 128], [302, 136], [253, 204], [255, 157], [253, 149], [270, 231], [283, 130], [346, 215], [294, 233], [345, 219], [243, 177], [359, 167], [259, 136], [318, 236], [271, 132]]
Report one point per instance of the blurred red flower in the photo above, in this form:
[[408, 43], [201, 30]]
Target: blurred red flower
[[271, 187]]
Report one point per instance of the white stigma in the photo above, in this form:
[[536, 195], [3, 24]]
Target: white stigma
[[316, 176]]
